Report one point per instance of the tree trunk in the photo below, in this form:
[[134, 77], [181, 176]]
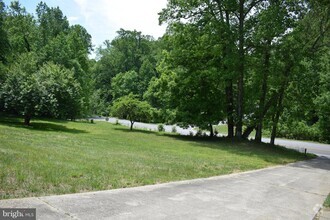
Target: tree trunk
[[27, 119], [270, 102], [247, 132], [211, 130], [241, 69], [229, 87], [277, 114], [279, 106], [264, 88], [132, 123], [230, 108]]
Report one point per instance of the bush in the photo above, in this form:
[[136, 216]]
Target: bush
[[199, 133], [161, 128], [299, 131], [174, 129], [216, 132], [117, 122]]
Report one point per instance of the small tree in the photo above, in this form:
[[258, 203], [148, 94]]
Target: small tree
[[132, 109], [23, 92]]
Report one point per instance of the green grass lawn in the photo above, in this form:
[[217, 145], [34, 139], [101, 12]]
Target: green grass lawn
[[223, 129], [58, 157]]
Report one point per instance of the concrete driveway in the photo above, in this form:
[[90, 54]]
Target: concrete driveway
[[295, 191]]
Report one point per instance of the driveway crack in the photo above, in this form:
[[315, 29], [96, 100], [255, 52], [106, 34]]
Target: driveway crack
[[58, 209]]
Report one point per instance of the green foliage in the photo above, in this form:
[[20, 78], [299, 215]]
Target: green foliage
[[4, 45], [131, 56], [25, 91], [98, 104], [199, 133], [161, 128], [50, 90], [65, 89], [327, 202], [58, 54], [129, 107], [322, 102], [174, 130], [21, 30], [262, 72], [299, 131], [323, 105], [125, 83], [159, 93], [51, 21]]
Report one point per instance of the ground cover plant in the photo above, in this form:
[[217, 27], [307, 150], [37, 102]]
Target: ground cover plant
[[327, 202], [58, 157]]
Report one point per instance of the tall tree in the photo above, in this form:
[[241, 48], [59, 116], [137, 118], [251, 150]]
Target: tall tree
[[130, 52], [230, 23], [4, 45], [51, 21]]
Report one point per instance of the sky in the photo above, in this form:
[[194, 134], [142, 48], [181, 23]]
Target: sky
[[103, 18]]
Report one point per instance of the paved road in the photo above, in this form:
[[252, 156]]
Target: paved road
[[295, 191], [312, 147]]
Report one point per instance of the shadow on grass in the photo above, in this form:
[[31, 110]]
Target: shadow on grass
[[39, 126], [265, 151], [127, 130]]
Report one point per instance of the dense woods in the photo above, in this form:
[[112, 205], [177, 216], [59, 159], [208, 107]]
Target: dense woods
[[258, 65]]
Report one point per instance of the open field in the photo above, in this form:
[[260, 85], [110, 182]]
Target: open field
[[58, 157]]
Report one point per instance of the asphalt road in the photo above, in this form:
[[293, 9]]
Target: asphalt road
[[312, 147]]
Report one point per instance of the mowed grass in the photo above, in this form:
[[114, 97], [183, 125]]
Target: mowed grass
[[223, 129], [58, 157]]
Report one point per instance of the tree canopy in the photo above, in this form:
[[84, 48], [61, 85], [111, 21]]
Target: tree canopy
[[131, 108], [259, 65], [44, 64]]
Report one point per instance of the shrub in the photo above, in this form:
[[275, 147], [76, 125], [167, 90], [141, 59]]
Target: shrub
[[216, 132], [299, 131], [161, 128], [199, 133], [174, 129]]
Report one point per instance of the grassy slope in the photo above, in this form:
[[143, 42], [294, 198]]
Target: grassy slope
[[57, 157]]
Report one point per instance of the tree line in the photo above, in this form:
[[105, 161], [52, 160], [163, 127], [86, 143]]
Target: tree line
[[44, 65], [259, 65]]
